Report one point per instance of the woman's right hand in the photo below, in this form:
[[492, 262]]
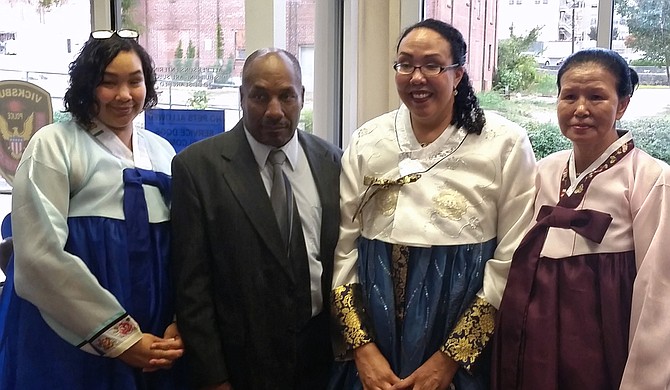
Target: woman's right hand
[[373, 368], [141, 354]]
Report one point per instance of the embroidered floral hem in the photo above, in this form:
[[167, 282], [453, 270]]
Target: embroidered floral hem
[[116, 338], [352, 322], [471, 334]]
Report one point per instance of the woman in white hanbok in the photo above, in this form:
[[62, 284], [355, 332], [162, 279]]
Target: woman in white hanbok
[[586, 304], [87, 303], [435, 197]]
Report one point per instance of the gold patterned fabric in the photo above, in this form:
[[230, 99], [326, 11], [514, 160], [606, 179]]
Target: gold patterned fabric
[[376, 184], [352, 325], [471, 334], [400, 257]]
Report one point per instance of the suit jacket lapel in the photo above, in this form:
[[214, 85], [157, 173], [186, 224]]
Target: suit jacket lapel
[[325, 172], [243, 177]]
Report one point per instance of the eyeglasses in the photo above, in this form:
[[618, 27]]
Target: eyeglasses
[[106, 34], [428, 70]]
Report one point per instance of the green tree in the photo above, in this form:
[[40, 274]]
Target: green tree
[[177, 62], [191, 64], [649, 24], [179, 51], [222, 71], [47, 4], [127, 20], [190, 50], [219, 41], [516, 71]]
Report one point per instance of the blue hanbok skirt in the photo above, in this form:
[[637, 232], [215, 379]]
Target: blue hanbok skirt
[[129, 258], [442, 282]]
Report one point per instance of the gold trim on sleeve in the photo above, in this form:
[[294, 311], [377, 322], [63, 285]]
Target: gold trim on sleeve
[[471, 334], [351, 326]]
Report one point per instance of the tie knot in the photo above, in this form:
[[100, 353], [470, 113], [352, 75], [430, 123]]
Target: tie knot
[[277, 156]]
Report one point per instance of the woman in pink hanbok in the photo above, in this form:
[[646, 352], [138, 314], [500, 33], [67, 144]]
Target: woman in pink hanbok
[[586, 304]]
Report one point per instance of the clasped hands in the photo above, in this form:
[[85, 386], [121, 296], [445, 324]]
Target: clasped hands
[[151, 352], [375, 373]]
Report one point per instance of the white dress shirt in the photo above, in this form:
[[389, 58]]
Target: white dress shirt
[[299, 174]]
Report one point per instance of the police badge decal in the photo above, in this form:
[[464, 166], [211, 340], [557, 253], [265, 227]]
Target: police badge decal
[[24, 109]]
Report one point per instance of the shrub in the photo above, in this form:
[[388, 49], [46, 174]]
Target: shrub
[[518, 77], [651, 135], [545, 138], [306, 120], [645, 62], [515, 71], [544, 85], [198, 100]]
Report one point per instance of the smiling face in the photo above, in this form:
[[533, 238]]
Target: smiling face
[[272, 97], [588, 107], [430, 100], [121, 94]]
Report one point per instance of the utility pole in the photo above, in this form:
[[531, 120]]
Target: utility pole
[[573, 26]]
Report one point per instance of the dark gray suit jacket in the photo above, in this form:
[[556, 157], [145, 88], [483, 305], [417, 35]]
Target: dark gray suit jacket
[[235, 285]]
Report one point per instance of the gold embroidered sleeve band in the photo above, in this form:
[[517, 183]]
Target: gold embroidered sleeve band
[[352, 325], [471, 334]]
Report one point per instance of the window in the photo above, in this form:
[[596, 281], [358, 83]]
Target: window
[[199, 47], [647, 115], [37, 43], [240, 52], [488, 62], [478, 34]]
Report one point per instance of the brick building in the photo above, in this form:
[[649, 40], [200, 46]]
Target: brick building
[[195, 21]]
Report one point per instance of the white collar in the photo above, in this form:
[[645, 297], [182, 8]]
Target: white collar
[[262, 151], [572, 170], [139, 156]]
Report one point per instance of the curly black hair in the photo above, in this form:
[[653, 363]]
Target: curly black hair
[[87, 70], [467, 113]]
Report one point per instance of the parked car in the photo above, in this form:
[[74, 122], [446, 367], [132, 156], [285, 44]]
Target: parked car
[[543, 60]]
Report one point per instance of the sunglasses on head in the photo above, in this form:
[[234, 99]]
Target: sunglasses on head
[[106, 34]]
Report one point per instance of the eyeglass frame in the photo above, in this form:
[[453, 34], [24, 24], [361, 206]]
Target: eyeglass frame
[[414, 68], [125, 33]]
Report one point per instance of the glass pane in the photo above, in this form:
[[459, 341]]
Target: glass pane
[[38, 40], [300, 26], [475, 19], [639, 36], [197, 48]]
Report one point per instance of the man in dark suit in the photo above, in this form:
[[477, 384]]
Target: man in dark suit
[[252, 300]]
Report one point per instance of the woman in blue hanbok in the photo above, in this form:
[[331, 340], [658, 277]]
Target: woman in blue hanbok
[[435, 198], [87, 303]]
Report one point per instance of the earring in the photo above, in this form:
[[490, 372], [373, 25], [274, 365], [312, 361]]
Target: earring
[[455, 91]]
